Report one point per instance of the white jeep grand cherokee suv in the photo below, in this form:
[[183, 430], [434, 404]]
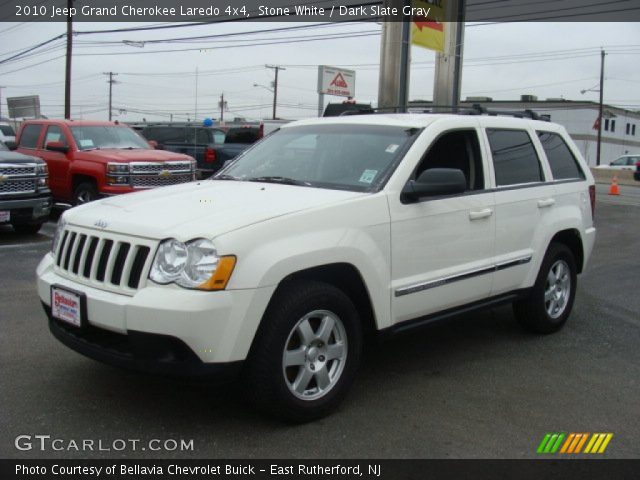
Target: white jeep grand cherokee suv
[[322, 232]]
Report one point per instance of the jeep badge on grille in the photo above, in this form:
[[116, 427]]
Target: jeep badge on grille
[[101, 224]]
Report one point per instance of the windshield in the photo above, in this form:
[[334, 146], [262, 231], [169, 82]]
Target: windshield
[[348, 157], [7, 130], [107, 136]]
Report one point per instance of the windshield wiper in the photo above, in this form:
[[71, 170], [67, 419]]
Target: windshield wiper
[[225, 177], [282, 180]]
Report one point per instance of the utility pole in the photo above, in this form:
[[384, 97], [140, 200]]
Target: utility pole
[[111, 81], [600, 106], [448, 73], [1, 87], [277, 68], [393, 89], [67, 78], [222, 105]]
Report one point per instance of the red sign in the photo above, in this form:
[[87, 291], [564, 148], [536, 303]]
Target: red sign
[[339, 81]]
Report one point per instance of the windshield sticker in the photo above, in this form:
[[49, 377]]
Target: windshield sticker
[[392, 148], [368, 176], [86, 143]]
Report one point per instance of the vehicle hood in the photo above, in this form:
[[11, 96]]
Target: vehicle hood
[[200, 209], [16, 157], [142, 155]]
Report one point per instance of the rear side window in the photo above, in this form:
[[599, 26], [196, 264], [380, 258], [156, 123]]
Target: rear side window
[[165, 134], [7, 130], [197, 135], [564, 165], [514, 158], [30, 135], [243, 135]]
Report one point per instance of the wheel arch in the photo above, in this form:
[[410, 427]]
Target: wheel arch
[[572, 239]]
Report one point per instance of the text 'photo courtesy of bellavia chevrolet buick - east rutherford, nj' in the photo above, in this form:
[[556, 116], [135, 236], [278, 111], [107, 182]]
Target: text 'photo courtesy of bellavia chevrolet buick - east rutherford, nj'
[[437, 264]]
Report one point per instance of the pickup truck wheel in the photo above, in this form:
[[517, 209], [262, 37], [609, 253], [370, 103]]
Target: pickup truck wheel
[[30, 228], [84, 193], [307, 352], [549, 304]]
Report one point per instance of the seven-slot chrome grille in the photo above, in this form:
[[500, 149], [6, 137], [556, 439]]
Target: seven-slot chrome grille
[[104, 260], [18, 178]]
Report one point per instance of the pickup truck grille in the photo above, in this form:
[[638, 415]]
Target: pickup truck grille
[[17, 178], [156, 167], [109, 262], [147, 181]]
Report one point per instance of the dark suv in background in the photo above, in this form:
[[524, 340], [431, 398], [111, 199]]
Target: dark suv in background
[[210, 146], [25, 199]]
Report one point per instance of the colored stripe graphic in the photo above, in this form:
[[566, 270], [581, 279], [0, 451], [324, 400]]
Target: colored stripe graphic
[[573, 443], [550, 443], [598, 443]]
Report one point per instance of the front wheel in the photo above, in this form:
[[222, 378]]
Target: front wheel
[[549, 303], [84, 193], [306, 354]]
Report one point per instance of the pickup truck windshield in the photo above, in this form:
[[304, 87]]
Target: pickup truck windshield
[[346, 157], [107, 136]]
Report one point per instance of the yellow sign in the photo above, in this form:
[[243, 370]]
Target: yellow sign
[[428, 31]]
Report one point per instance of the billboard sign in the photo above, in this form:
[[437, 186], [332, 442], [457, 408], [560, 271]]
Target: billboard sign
[[24, 107], [336, 81]]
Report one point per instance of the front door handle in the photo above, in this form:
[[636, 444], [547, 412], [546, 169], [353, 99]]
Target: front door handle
[[479, 214], [546, 203]]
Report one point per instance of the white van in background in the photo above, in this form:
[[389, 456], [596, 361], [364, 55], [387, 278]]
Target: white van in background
[[7, 133]]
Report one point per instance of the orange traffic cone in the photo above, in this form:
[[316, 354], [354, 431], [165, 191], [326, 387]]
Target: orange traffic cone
[[613, 189]]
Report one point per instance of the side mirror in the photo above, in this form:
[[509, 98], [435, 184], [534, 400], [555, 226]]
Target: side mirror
[[11, 145], [435, 182], [153, 144], [57, 147]]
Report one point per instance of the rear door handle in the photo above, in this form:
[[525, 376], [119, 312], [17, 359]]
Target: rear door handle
[[479, 214], [546, 203]]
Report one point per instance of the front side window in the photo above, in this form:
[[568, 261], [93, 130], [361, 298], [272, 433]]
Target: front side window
[[620, 162], [459, 149], [563, 164], [514, 157], [54, 134], [346, 157], [30, 135], [107, 136]]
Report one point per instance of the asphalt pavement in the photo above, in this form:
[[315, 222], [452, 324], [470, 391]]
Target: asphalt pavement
[[474, 387]]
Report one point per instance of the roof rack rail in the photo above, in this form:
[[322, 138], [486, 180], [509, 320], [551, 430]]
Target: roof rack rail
[[477, 109]]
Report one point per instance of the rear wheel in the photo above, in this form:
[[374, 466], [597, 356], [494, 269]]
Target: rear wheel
[[85, 192], [549, 303], [305, 357]]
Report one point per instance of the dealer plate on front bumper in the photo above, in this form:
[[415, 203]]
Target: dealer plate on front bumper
[[5, 216], [68, 306]]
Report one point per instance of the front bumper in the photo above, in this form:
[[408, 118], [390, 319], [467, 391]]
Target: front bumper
[[28, 210], [144, 352], [198, 327]]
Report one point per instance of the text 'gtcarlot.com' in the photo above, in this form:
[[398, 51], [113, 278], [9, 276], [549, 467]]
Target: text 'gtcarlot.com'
[[45, 443]]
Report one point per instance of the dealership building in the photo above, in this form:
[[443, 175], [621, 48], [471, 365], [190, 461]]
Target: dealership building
[[620, 128]]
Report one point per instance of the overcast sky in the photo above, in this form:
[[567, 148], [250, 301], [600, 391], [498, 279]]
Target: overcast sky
[[543, 59]]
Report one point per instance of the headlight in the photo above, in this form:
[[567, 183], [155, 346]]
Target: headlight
[[117, 168], [194, 264], [58, 235], [42, 169]]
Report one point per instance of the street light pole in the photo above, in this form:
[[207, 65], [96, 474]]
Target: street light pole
[[602, 54], [67, 75]]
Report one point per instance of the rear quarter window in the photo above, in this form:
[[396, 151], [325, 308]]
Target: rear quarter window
[[564, 166], [165, 134], [7, 130], [515, 160], [30, 135]]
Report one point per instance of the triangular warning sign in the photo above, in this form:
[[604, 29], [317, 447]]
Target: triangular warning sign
[[339, 81]]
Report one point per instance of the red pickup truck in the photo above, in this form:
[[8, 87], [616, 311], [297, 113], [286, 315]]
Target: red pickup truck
[[89, 159]]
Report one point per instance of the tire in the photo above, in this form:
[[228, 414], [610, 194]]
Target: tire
[[313, 384], [29, 228], [85, 192], [548, 305]]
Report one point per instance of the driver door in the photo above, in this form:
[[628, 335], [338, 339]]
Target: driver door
[[442, 247]]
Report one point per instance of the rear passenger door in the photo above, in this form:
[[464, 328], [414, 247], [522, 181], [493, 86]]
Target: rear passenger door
[[523, 200]]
